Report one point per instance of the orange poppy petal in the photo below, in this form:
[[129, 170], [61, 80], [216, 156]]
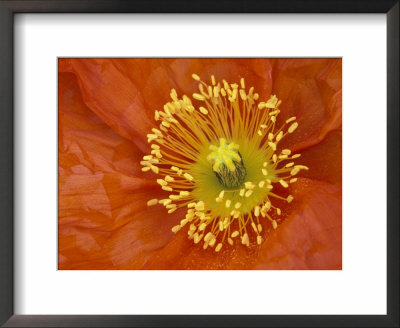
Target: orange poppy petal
[[120, 91], [324, 159], [257, 73], [311, 90], [309, 238], [105, 226], [110, 94], [84, 134], [156, 77], [104, 221]]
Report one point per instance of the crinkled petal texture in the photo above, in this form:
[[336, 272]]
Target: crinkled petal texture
[[106, 108]]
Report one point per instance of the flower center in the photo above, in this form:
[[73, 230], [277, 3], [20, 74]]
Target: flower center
[[227, 164], [227, 194]]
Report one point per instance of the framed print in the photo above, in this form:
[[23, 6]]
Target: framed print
[[212, 165], [209, 183]]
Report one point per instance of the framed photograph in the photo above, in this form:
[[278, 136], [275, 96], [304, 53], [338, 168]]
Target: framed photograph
[[199, 165]]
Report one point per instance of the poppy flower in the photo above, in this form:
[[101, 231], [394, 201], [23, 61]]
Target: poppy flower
[[200, 164]]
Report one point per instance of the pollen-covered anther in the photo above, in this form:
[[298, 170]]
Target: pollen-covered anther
[[235, 214], [272, 145], [203, 110], [161, 182], [195, 236], [279, 136], [284, 183], [152, 202], [274, 224], [198, 96], [259, 240], [188, 176], [218, 248], [165, 201], [199, 206], [294, 171], [196, 77], [249, 185], [293, 127], [212, 241], [245, 239]]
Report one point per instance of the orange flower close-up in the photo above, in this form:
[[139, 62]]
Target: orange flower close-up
[[200, 164]]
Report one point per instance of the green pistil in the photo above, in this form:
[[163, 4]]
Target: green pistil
[[232, 179]]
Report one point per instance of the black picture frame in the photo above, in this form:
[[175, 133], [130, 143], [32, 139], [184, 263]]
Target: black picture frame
[[7, 11]]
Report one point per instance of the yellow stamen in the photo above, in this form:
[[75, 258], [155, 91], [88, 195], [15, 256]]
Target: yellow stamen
[[274, 224], [188, 176], [198, 97], [203, 110], [293, 127], [152, 202], [199, 206], [283, 183], [218, 248], [207, 155]]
